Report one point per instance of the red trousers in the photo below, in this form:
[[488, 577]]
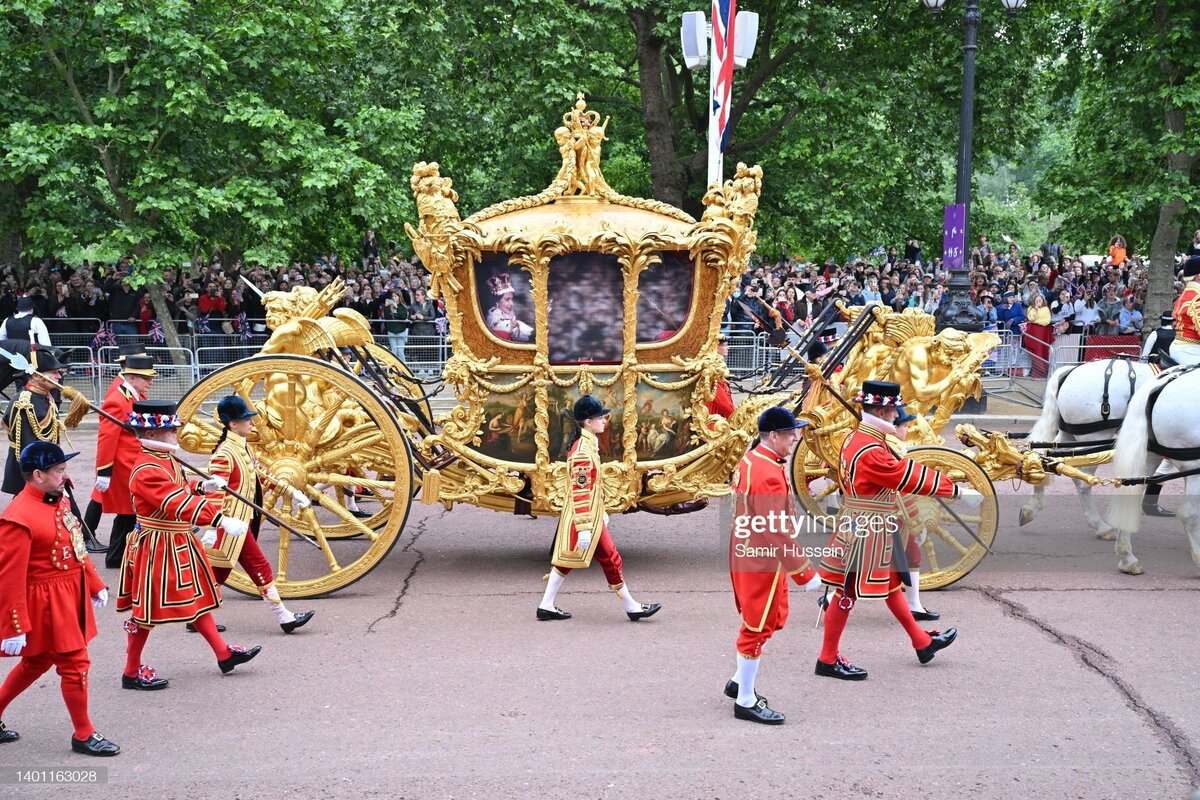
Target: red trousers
[[610, 561], [252, 561], [755, 632], [72, 669]]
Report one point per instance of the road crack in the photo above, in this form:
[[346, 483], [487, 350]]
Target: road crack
[[1105, 666], [409, 546]]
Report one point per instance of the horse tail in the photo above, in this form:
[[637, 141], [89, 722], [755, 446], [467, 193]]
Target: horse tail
[[1046, 427], [1132, 447]]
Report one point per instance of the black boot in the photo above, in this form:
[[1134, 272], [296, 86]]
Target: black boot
[[7, 736], [1150, 506]]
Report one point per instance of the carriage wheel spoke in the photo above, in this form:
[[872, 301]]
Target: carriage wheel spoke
[[930, 553], [339, 511], [949, 539], [319, 532]]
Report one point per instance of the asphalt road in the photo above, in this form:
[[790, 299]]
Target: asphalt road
[[431, 678]]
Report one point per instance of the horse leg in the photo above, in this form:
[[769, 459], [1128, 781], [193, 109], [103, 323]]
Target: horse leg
[[1189, 515], [1091, 512], [1127, 561], [1035, 503]]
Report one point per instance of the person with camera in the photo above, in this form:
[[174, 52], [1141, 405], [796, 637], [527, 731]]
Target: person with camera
[[396, 323]]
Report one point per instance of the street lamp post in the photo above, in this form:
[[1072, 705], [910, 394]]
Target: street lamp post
[[958, 311]]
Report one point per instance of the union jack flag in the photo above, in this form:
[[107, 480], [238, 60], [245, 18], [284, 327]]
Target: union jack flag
[[202, 324], [104, 337], [243, 326], [157, 334], [723, 14]]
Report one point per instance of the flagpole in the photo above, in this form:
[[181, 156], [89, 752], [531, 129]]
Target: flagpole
[[719, 103]]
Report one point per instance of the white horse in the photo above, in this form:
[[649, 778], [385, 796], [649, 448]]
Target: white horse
[[1141, 446], [1084, 402]]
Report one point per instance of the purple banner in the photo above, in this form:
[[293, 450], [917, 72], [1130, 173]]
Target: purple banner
[[954, 236]]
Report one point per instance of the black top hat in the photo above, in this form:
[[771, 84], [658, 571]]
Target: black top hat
[[816, 350], [778, 418], [24, 303], [233, 408], [45, 361], [1191, 267], [42, 455], [135, 349], [1166, 320], [588, 407], [879, 393], [139, 365]]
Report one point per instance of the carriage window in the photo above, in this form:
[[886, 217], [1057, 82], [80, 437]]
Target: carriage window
[[586, 309], [664, 297], [506, 299]]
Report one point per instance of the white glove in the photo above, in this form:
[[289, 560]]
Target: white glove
[[605, 517], [583, 541], [13, 646], [209, 537], [300, 500], [210, 485], [234, 527], [102, 484], [971, 499], [100, 599]]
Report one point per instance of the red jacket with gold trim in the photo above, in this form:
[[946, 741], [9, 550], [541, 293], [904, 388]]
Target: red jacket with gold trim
[[1187, 314], [117, 450], [722, 402]]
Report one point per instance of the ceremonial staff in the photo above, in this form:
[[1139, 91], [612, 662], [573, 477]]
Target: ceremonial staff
[[19, 362]]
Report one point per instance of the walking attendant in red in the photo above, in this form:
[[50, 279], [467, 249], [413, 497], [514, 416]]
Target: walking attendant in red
[[866, 557], [764, 553], [575, 543], [48, 588], [166, 577]]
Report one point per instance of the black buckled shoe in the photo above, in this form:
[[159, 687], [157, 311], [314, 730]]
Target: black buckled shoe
[[360, 514], [299, 622], [731, 691], [940, 641], [95, 745], [926, 615], [759, 712], [146, 680], [96, 546], [557, 613], [648, 610], [237, 655], [191, 628], [1155, 510], [7, 736], [840, 669]]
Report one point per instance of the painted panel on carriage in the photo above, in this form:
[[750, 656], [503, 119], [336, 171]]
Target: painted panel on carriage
[[663, 430], [508, 423], [505, 298], [587, 318], [664, 297]]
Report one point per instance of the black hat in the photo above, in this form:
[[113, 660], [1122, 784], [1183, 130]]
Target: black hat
[[904, 417], [879, 393], [1166, 320], [816, 350], [233, 408], [153, 414], [42, 455], [24, 303], [588, 407], [806, 287], [1191, 267], [1008, 294], [135, 349], [778, 418], [139, 365], [45, 360]]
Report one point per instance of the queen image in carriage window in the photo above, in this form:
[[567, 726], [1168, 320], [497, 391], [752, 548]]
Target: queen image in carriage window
[[502, 318]]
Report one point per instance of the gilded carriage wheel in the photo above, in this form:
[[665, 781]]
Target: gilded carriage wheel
[[812, 479], [948, 551], [320, 429]]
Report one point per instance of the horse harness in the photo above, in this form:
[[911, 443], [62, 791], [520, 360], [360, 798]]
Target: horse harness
[[1173, 453], [1104, 423]]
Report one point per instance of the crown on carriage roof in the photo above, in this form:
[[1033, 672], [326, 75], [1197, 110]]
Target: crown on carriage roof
[[500, 285]]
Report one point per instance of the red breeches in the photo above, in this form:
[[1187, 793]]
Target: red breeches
[[252, 561], [609, 559]]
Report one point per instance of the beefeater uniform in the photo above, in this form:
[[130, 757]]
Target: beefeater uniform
[[46, 585], [166, 577], [584, 510], [1186, 347], [760, 570], [117, 450], [861, 563]]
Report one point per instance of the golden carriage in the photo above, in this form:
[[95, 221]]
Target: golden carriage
[[574, 290]]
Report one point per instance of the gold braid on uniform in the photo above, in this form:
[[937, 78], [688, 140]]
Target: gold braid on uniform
[[79, 407], [48, 431]]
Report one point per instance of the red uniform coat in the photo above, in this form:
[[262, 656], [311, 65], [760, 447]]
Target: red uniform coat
[[165, 576], [46, 577], [763, 548], [870, 476], [722, 402], [584, 508], [116, 450], [1187, 314]]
